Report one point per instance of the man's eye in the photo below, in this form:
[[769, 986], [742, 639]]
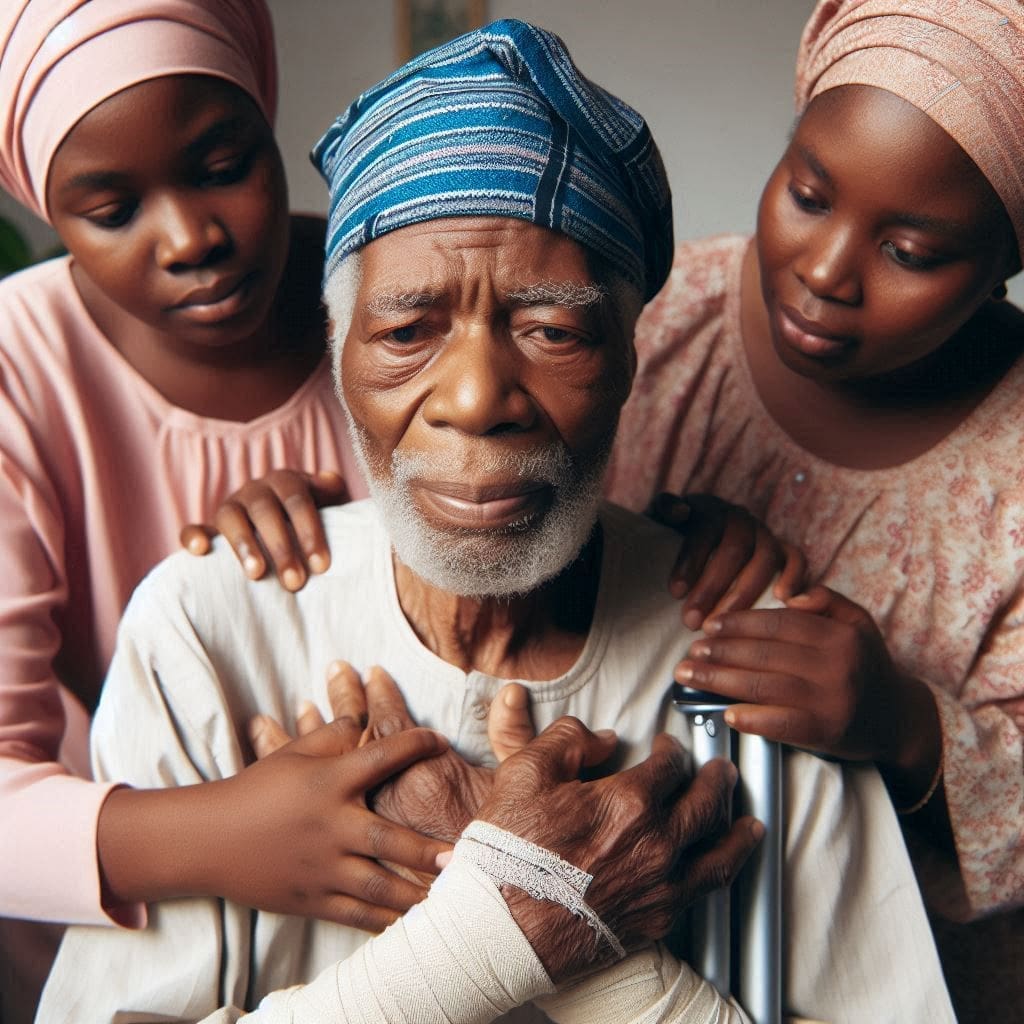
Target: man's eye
[[556, 334], [404, 335]]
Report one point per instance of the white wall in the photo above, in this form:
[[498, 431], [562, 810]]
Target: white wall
[[712, 77]]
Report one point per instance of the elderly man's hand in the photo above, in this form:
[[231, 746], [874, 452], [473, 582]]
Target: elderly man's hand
[[439, 801], [653, 839]]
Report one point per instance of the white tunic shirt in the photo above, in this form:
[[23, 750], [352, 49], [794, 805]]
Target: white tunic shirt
[[202, 648]]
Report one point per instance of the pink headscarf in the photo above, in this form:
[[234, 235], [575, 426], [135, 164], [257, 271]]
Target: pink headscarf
[[959, 61], [60, 58]]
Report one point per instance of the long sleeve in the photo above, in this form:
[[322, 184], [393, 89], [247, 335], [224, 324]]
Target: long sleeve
[[51, 814], [983, 776], [98, 473]]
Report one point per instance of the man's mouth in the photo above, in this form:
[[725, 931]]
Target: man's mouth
[[481, 506]]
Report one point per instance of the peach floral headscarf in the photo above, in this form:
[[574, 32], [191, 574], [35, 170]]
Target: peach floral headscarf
[[959, 61], [61, 58]]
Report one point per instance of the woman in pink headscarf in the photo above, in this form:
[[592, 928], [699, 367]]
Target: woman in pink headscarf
[[853, 376], [177, 352]]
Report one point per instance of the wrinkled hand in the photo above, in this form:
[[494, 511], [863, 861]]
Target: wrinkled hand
[[654, 840], [728, 556], [438, 801], [276, 517], [436, 797]]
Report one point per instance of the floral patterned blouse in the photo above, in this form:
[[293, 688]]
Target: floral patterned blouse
[[933, 549]]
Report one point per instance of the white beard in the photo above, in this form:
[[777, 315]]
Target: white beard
[[515, 559]]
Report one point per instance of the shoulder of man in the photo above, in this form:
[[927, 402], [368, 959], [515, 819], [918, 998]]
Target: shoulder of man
[[213, 588]]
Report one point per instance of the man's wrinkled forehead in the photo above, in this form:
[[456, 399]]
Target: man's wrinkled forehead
[[567, 294], [512, 262]]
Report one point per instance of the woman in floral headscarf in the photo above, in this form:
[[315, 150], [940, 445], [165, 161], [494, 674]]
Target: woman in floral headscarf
[[852, 375]]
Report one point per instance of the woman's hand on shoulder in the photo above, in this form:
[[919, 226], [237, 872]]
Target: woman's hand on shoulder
[[274, 523], [727, 559]]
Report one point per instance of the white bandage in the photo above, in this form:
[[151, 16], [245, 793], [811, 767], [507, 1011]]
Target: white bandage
[[456, 958], [509, 859], [648, 987]]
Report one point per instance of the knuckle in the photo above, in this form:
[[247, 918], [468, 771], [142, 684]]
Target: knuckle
[[720, 874], [375, 753], [386, 724], [570, 728], [757, 689], [263, 505], [355, 915], [631, 802], [379, 836], [376, 887]]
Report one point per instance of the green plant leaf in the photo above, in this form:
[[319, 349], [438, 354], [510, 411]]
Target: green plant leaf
[[14, 251]]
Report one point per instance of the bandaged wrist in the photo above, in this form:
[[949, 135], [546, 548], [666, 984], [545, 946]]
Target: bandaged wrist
[[648, 987], [508, 859], [457, 957]]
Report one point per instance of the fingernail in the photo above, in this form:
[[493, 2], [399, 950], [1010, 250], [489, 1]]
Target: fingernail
[[255, 729], [442, 860], [335, 669], [195, 545], [678, 589], [292, 579], [700, 650], [318, 563], [730, 717], [757, 830], [606, 734], [251, 564], [693, 619], [307, 707], [712, 625], [684, 673]]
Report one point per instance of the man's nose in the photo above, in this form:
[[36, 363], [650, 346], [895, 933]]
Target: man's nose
[[478, 387], [828, 265], [187, 234]]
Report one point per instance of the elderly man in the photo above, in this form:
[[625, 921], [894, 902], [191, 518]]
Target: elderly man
[[496, 223]]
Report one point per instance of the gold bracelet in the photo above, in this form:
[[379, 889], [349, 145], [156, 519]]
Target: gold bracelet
[[914, 808]]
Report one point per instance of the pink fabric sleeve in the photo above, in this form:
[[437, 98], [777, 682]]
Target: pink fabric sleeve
[[983, 766], [56, 817], [48, 863]]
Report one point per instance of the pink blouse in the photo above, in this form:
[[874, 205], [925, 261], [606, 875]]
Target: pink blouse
[[98, 473], [934, 549]]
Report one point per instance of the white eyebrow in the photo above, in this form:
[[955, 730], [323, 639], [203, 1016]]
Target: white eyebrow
[[384, 304], [567, 294]]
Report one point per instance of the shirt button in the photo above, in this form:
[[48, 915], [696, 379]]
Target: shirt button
[[480, 709]]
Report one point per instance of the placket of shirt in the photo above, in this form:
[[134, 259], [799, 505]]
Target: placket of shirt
[[472, 741]]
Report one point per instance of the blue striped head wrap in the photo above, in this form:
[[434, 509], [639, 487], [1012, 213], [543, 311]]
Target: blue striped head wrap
[[500, 123]]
